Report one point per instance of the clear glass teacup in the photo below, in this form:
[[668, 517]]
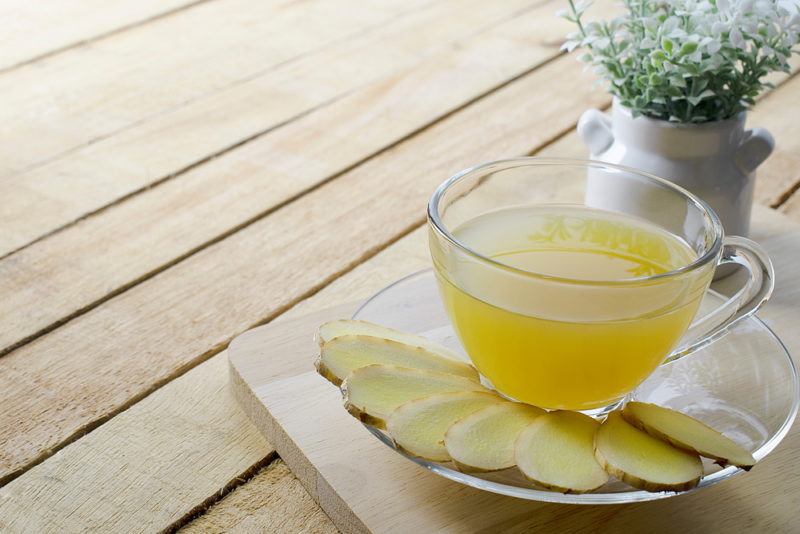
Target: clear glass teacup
[[567, 299]]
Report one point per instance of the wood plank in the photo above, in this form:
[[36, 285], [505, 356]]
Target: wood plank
[[49, 196], [274, 501], [153, 229], [792, 206], [145, 469], [781, 172], [60, 385], [90, 92], [145, 461], [31, 31]]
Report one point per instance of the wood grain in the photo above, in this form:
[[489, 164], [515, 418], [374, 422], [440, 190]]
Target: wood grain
[[153, 229], [49, 196], [792, 206], [147, 458], [145, 469], [781, 172], [56, 387], [93, 91], [273, 501], [30, 32]]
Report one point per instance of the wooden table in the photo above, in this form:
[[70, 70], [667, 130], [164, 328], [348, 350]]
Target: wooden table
[[174, 172]]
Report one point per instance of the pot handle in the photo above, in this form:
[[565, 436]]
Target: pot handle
[[758, 144], [745, 302], [594, 128]]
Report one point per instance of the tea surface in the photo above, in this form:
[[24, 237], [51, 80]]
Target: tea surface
[[580, 343]]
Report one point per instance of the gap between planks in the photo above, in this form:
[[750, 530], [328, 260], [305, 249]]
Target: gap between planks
[[240, 480]]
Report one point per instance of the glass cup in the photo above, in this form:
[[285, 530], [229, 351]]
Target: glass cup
[[564, 341]]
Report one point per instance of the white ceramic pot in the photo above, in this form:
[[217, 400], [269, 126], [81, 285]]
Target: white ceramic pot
[[716, 160]]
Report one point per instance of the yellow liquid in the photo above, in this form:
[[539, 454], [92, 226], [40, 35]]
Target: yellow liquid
[[559, 344]]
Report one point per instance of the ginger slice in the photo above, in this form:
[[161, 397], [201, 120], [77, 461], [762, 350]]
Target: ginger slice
[[343, 354], [556, 451], [687, 433], [643, 461], [484, 440], [419, 426], [351, 327], [373, 392]]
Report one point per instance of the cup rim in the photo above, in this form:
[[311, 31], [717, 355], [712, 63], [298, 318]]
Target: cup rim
[[438, 225]]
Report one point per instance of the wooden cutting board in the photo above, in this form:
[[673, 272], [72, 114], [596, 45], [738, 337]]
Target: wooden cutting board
[[364, 486]]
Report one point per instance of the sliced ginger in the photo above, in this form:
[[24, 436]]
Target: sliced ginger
[[419, 426], [484, 440], [373, 392], [434, 406], [687, 433], [351, 327], [342, 354], [643, 461], [556, 451]]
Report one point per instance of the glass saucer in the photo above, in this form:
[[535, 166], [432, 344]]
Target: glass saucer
[[744, 385]]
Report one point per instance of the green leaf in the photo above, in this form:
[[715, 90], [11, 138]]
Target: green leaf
[[678, 81], [674, 92], [692, 69], [667, 45], [688, 48], [657, 58]]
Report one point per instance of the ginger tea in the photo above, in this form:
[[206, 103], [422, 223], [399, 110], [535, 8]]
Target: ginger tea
[[568, 317]]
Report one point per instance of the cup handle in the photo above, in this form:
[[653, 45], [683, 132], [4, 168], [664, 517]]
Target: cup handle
[[745, 302]]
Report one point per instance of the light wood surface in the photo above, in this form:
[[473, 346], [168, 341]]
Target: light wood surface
[[228, 192], [119, 295], [261, 507], [30, 33], [133, 471], [779, 174], [219, 121], [364, 486], [57, 118], [169, 322]]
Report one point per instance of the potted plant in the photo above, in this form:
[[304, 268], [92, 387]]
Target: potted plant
[[683, 74]]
